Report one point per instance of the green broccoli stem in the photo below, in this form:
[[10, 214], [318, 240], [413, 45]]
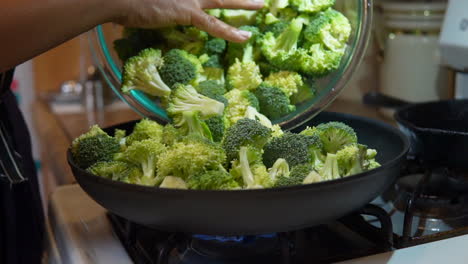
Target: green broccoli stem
[[247, 174], [330, 170], [248, 53], [148, 169], [289, 38], [196, 126]]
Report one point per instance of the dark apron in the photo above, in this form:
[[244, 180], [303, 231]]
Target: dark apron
[[21, 215]]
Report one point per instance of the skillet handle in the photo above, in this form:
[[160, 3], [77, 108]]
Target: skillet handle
[[381, 100]]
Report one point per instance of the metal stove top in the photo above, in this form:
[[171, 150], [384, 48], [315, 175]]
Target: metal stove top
[[84, 233]]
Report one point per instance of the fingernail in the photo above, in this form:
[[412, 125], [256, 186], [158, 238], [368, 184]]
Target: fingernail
[[244, 34], [258, 2]]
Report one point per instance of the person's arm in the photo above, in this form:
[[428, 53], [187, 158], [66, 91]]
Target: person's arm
[[30, 27]]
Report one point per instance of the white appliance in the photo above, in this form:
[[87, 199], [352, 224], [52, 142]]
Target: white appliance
[[454, 44]]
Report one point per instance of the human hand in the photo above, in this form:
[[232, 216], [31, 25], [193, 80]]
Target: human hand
[[163, 13]]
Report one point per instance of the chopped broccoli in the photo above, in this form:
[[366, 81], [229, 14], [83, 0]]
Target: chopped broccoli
[[190, 156], [213, 90], [170, 135], [213, 180], [214, 12], [305, 92], [313, 177], [296, 177], [185, 98], [335, 135], [329, 28], [212, 70], [180, 67], [190, 39], [171, 182], [276, 5], [309, 131], [136, 40], [253, 114], [113, 170], [215, 46], [369, 160], [277, 27], [120, 135], [145, 129], [279, 169], [289, 82], [189, 123], [94, 146], [312, 6], [217, 126], [238, 103], [318, 61], [281, 50], [238, 17], [330, 170], [143, 72], [247, 50], [350, 159], [274, 103], [294, 148], [144, 154], [249, 167], [132, 175], [243, 133]]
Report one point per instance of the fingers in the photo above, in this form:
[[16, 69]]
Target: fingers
[[217, 28], [232, 4]]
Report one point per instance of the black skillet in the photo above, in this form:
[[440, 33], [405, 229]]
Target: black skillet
[[255, 211], [438, 131]]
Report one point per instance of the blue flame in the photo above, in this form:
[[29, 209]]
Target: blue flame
[[239, 239]]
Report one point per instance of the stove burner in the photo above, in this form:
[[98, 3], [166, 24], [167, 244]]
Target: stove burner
[[350, 237]]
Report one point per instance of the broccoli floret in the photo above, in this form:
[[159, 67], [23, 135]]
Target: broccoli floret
[[296, 177], [277, 27], [247, 49], [330, 170], [120, 135], [132, 175], [238, 103], [253, 114], [335, 135], [313, 177], [369, 162], [279, 169], [113, 170], [217, 126], [318, 61], [250, 169], [294, 148], [213, 180], [305, 92], [144, 154], [215, 46], [135, 40], [213, 90], [246, 132], [214, 12], [312, 6], [170, 135], [330, 28], [281, 50], [213, 70], [316, 152], [289, 82], [94, 146], [276, 5], [185, 98], [189, 123], [171, 182], [190, 39], [191, 156], [143, 72], [238, 17], [267, 68], [350, 159], [274, 103], [145, 129], [180, 67], [309, 131]]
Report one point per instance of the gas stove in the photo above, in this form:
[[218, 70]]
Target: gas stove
[[413, 222]]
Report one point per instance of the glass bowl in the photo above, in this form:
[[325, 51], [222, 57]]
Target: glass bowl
[[359, 12]]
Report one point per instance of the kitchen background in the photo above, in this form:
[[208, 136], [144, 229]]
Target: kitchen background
[[62, 94]]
